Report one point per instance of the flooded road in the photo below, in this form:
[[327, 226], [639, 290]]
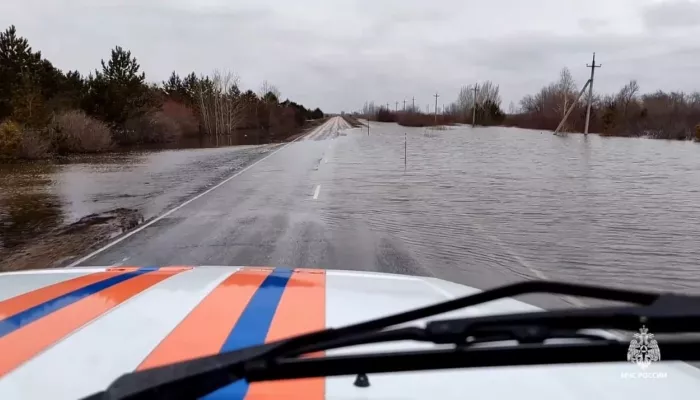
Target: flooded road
[[494, 205], [38, 197], [482, 207]]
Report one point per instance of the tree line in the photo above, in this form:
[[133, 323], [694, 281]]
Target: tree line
[[660, 115], [484, 103], [45, 111]]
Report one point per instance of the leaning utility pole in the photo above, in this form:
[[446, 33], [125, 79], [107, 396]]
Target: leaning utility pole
[[474, 108], [436, 97], [590, 93]]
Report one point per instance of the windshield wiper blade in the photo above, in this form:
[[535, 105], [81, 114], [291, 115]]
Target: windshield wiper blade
[[669, 313], [201, 376], [461, 357]]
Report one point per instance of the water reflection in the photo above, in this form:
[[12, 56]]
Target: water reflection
[[36, 197], [27, 204]]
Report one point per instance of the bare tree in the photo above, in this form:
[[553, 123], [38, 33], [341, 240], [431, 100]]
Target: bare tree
[[465, 101], [488, 93], [627, 95], [512, 108], [266, 87], [566, 88], [221, 104]]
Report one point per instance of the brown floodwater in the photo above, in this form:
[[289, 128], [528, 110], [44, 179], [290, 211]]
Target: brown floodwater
[[36, 197]]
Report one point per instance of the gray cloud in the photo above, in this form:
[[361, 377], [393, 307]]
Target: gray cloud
[[338, 54], [672, 14]]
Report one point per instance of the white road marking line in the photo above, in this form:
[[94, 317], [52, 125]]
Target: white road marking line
[[172, 210], [317, 191]]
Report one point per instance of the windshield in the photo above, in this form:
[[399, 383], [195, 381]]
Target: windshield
[[359, 159]]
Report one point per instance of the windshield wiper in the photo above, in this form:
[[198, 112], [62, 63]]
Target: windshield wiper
[[661, 312]]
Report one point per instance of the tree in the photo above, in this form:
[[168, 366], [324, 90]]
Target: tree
[[488, 94], [174, 87], [19, 66], [221, 104], [566, 90], [317, 113], [512, 108], [117, 92], [627, 95], [269, 92], [466, 102]]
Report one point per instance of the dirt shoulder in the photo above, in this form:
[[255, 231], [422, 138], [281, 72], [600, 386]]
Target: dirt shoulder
[[354, 122], [114, 197], [60, 245], [310, 126]]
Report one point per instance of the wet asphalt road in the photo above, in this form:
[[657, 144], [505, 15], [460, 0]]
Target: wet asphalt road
[[267, 215], [481, 207]]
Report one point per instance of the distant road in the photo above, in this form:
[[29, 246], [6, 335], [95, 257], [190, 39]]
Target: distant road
[[267, 214]]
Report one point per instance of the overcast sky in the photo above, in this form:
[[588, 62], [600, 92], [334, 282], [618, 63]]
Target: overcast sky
[[336, 54]]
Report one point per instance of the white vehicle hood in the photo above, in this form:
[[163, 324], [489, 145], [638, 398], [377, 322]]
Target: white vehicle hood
[[65, 334]]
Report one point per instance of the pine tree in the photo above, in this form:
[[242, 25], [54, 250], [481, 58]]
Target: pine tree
[[18, 65], [118, 92]]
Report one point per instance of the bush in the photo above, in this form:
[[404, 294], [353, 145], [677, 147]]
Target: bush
[[74, 131], [10, 139], [34, 145], [384, 115], [415, 119], [184, 116], [156, 127], [420, 119]]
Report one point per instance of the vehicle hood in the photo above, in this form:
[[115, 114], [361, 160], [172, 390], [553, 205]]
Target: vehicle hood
[[67, 333]]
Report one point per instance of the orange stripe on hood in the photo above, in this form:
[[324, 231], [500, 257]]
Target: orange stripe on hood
[[204, 331], [31, 299], [302, 309], [28, 341]]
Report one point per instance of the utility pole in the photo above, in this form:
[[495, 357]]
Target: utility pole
[[404, 105], [413, 108], [436, 97], [387, 107], [476, 86], [590, 94], [397, 107]]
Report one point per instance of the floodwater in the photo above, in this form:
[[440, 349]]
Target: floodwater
[[481, 207], [39, 196], [491, 205]]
